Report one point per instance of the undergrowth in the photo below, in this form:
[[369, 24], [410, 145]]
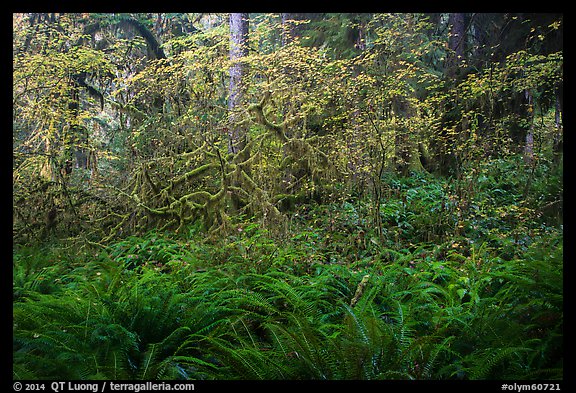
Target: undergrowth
[[464, 282]]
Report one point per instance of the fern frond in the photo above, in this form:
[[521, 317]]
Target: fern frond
[[486, 360]]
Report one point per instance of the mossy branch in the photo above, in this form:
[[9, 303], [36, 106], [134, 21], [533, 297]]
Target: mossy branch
[[202, 195], [360, 290], [193, 173], [258, 111], [127, 108]]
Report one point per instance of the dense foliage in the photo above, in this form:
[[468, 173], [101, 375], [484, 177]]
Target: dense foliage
[[381, 201], [331, 301]]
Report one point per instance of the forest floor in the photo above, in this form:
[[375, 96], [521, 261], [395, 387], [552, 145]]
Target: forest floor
[[441, 279]]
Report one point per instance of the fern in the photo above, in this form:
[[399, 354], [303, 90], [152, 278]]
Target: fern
[[246, 362], [484, 362], [67, 342], [428, 315]]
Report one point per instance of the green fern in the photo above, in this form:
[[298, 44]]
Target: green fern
[[424, 316], [484, 362]]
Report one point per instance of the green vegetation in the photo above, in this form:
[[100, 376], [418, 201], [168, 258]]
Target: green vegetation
[[319, 196], [486, 304]]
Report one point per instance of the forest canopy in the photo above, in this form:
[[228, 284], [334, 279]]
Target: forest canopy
[[276, 152]]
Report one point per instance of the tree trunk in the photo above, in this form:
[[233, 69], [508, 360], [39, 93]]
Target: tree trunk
[[403, 150], [238, 50], [456, 42], [290, 30], [445, 143], [529, 139], [557, 148], [236, 132]]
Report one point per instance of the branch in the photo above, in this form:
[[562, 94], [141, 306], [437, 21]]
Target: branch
[[151, 41], [360, 290], [258, 111], [193, 173]]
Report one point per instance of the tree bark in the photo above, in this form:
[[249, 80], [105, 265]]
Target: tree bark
[[456, 42], [290, 30], [238, 50], [446, 159], [529, 139]]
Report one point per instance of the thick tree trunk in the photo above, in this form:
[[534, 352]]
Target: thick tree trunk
[[403, 153], [238, 50], [237, 87], [444, 144], [290, 29], [456, 43]]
